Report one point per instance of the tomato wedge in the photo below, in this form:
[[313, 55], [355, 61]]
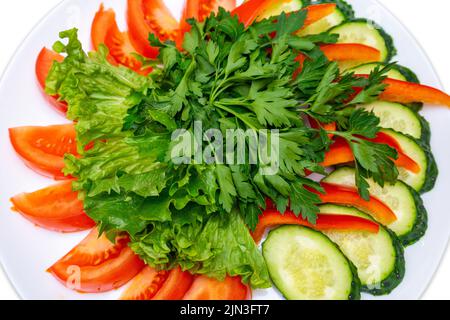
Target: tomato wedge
[[349, 196], [340, 153], [201, 9], [54, 208], [94, 249], [105, 31], [205, 288], [350, 52], [97, 265], [43, 148], [44, 63], [176, 285], [272, 218], [150, 16], [145, 285]]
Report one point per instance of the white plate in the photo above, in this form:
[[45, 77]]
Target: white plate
[[27, 251]]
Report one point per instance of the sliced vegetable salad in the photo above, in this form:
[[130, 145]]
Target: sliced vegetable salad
[[353, 153]]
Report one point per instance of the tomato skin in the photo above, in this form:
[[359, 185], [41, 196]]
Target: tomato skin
[[103, 21], [95, 250], [97, 265], [109, 275], [205, 288], [201, 9], [150, 16], [55, 208], [105, 31], [176, 285], [44, 63], [43, 148], [145, 285]]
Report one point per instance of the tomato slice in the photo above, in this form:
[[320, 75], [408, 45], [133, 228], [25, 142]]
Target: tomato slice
[[176, 285], [97, 265], [94, 249], [201, 9], [145, 285], [150, 16], [204, 288], [43, 148], [55, 208], [103, 21], [105, 31], [44, 63]]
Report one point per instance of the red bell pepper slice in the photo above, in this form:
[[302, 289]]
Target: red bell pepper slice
[[408, 92], [350, 52], [349, 196], [340, 153], [271, 218]]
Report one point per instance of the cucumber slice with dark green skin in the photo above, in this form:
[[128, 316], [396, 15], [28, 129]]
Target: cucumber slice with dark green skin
[[432, 168], [366, 32], [284, 6], [378, 258], [399, 118], [343, 12], [404, 201], [426, 177], [306, 265]]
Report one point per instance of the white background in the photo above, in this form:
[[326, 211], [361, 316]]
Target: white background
[[429, 23]]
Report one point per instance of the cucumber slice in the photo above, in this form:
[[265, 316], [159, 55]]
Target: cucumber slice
[[305, 265], [397, 72], [398, 117], [343, 12], [404, 201], [283, 6], [366, 32], [425, 179], [378, 257]]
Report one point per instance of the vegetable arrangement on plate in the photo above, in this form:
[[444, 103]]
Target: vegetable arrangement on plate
[[307, 73]]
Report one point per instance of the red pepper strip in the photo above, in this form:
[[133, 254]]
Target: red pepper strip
[[408, 92], [340, 153], [249, 11], [350, 51], [325, 126], [273, 218], [317, 12], [349, 196]]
